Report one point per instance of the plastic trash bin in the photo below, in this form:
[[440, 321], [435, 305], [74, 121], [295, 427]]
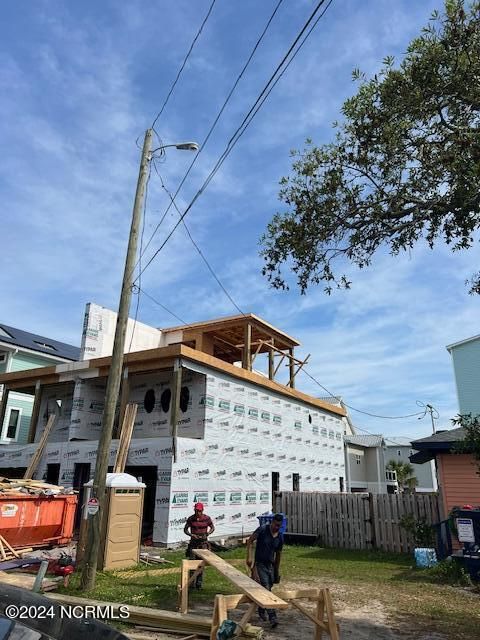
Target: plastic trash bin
[[266, 518]]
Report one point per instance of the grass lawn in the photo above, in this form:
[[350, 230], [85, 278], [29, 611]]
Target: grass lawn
[[356, 579]]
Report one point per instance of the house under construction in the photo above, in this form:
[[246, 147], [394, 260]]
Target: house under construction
[[209, 427]]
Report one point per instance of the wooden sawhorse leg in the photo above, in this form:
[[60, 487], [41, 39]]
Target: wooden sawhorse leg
[[185, 581]]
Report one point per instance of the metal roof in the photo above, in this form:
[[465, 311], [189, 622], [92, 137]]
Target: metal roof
[[365, 441], [40, 344], [399, 441]]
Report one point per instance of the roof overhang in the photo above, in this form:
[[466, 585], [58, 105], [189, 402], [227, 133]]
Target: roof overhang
[[148, 361]]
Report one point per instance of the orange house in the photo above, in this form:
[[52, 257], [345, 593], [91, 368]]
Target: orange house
[[458, 474]]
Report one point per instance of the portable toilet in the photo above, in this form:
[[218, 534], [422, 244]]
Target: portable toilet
[[122, 524]]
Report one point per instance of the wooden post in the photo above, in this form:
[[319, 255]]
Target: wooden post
[[175, 404], [3, 406], [247, 347], [271, 373], [183, 595], [35, 413], [219, 615], [291, 366], [320, 614]]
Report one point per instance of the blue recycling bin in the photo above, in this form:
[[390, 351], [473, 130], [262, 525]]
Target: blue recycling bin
[[266, 518]]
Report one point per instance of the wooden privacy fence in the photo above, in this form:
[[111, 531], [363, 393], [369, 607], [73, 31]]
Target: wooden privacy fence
[[356, 520]]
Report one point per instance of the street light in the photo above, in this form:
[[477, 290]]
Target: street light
[[181, 146]]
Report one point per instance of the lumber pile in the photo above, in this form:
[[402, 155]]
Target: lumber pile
[[9, 553], [9, 488], [26, 581], [158, 618], [125, 438]]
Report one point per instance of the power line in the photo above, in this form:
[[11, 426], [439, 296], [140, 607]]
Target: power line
[[200, 252], [183, 64], [242, 128], [162, 306], [217, 118], [366, 413]]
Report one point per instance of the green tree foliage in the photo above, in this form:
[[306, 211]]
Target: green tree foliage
[[471, 442], [405, 474], [404, 165]]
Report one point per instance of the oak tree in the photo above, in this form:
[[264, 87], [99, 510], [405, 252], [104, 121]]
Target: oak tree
[[404, 165]]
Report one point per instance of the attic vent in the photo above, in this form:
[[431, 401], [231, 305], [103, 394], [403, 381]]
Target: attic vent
[[5, 334], [44, 345]]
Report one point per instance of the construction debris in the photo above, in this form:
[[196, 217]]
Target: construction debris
[[8, 553], [158, 618], [147, 558], [19, 487]]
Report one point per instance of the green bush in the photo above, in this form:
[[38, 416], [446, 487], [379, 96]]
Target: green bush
[[449, 572], [422, 532]]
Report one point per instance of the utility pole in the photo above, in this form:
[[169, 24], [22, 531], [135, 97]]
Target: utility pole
[[430, 410], [114, 377]]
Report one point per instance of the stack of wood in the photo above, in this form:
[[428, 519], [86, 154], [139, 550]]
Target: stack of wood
[[11, 488], [9, 553]]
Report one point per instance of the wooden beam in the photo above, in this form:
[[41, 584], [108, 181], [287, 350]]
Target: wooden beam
[[246, 585], [279, 364], [247, 347], [291, 366], [256, 353], [175, 404], [35, 412], [271, 363], [128, 425], [32, 467], [310, 616], [302, 364]]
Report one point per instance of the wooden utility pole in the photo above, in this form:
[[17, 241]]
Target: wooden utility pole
[[114, 377]]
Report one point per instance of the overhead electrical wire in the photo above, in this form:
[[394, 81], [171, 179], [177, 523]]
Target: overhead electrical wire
[[200, 252], [162, 306], [248, 119], [183, 64], [216, 120]]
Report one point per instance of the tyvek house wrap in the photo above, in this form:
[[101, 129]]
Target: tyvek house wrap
[[153, 416], [249, 432]]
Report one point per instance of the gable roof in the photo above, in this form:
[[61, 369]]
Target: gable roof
[[40, 344], [365, 441]]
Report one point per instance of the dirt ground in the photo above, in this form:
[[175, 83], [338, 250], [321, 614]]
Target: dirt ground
[[371, 621]]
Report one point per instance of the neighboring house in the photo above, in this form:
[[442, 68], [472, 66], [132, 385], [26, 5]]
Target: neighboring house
[[458, 480], [207, 429], [400, 449], [365, 465], [20, 350], [466, 366]]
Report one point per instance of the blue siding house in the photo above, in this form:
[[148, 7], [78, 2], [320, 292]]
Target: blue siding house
[[466, 365], [20, 350]]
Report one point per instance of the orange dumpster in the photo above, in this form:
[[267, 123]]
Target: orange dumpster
[[33, 521]]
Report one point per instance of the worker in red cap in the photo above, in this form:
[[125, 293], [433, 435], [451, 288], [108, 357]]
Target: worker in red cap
[[198, 527]]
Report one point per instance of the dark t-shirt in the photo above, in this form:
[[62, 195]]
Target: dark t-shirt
[[267, 546], [199, 526]]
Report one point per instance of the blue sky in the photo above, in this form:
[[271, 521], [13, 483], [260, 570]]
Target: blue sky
[[79, 82]]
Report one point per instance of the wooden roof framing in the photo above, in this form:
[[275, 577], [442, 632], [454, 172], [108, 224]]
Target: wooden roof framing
[[152, 360]]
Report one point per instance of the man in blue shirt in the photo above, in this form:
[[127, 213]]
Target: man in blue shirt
[[268, 552]]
